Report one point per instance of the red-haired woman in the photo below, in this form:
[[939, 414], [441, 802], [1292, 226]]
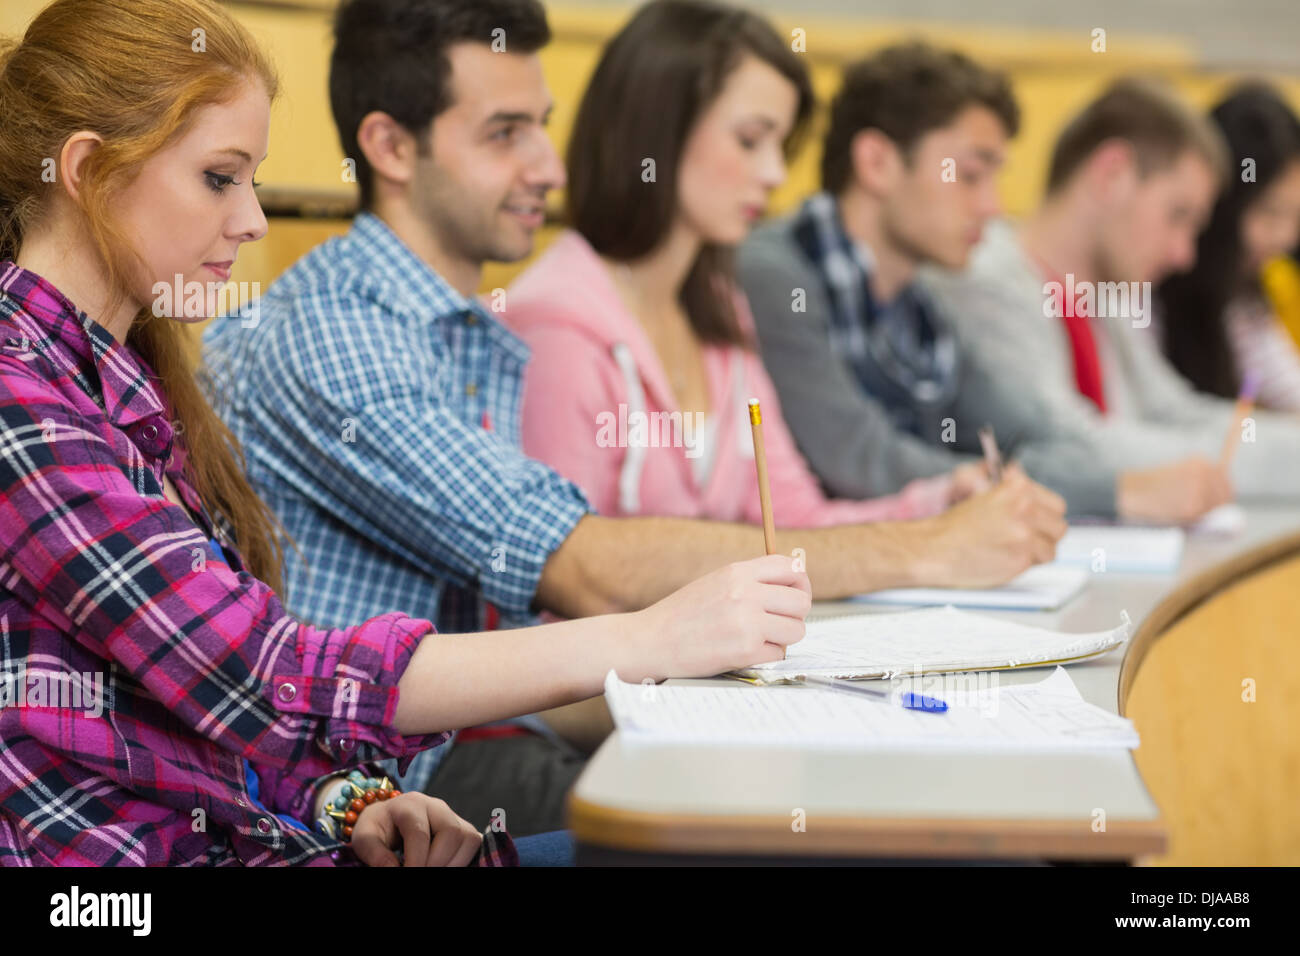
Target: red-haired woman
[[138, 567]]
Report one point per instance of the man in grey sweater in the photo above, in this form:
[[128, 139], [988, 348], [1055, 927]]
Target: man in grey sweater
[[873, 379], [1132, 181]]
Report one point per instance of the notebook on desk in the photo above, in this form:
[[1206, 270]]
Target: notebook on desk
[[1224, 521], [1049, 716], [1123, 548], [1042, 588], [864, 646]]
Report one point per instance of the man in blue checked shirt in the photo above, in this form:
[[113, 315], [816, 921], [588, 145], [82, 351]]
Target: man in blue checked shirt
[[378, 402]]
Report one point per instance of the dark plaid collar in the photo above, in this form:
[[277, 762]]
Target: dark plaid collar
[[110, 372], [902, 353]]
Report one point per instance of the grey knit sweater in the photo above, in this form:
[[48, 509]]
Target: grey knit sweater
[[1153, 416], [849, 438]]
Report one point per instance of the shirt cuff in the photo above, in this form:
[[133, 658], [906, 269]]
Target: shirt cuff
[[349, 678], [926, 497], [498, 849], [526, 538]]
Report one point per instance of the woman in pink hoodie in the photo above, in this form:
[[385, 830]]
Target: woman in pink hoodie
[[643, 357]]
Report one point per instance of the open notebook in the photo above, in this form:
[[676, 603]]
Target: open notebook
[[1122, 548], [1086, 547], [926, 641], [1042, 588], [1048, 716]]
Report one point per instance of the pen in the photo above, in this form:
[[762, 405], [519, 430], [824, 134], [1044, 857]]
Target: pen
[[909, 700], [1245, 404], [992, 457]]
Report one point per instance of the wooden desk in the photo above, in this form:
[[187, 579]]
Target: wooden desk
[[1212, 682], [637, 804]]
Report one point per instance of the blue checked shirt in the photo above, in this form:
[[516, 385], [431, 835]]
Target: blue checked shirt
[[361, 387]]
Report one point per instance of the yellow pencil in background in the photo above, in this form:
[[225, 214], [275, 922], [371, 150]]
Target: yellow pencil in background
[[1245, 405], [760, 464], [992, 457]]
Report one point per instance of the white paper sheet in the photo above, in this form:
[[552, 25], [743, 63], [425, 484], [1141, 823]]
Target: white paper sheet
[[1224, 521], [934, 639], [1049, 716], [1042, 588], [1121, 548]]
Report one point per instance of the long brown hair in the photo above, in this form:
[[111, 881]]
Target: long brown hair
[[1257, 124], [653, 81], [135, 72]]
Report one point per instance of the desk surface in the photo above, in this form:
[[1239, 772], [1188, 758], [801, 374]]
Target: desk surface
[[691, 799]]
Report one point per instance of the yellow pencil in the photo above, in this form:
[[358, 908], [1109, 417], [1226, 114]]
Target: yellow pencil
[[764, 491], [760, 464], [1245, 405]]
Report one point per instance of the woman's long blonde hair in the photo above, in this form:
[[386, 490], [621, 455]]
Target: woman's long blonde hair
[[136, 72]]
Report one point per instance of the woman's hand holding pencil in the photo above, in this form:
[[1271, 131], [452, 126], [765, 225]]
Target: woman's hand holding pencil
[[743, 614]]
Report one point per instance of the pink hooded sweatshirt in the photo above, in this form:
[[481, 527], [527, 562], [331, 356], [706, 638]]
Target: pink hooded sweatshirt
[[599, 410]]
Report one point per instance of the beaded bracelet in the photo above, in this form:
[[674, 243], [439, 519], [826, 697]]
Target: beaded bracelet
[[359, 791]]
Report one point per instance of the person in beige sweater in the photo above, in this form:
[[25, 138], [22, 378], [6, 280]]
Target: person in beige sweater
[[871, 377], [1131, 184]]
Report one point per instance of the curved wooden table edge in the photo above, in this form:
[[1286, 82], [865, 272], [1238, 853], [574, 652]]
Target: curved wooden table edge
[[955, 838], [642, 831], [1191, 594]]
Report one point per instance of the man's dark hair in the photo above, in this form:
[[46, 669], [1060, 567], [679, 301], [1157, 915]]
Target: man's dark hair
[[1146, 113], [905, 91], [391, 56]]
